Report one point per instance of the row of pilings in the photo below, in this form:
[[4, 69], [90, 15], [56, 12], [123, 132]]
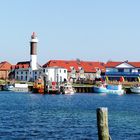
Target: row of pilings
[[83, 89]]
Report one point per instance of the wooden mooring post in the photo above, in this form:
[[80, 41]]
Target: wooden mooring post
[[44, 78], [102, 124]]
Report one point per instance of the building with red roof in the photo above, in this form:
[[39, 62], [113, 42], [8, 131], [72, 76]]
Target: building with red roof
[[23, 71], [78, 69], [129, 70], [5, 68]]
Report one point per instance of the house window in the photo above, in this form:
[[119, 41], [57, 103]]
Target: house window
[[21, 72], [35, 72], [21, 77], [60, 78], [64, 71], [26, 72], [26, 78], [60, 71], [17, 72], [35, 77], [120, 70]]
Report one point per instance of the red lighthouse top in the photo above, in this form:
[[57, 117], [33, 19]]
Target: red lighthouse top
[[34, 38], [33, 35]]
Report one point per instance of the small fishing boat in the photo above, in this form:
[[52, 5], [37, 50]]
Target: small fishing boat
[[135, 89], [67, 89], [38, 86], [8, 87], [109, 89], [16, 87], [100, 89]]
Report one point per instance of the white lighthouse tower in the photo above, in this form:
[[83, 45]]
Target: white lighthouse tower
[[33, 51]]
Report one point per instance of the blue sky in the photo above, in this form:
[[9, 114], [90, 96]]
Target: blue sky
[[92, 30]]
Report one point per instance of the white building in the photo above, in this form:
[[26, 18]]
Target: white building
[[23, 72], [55, 74]]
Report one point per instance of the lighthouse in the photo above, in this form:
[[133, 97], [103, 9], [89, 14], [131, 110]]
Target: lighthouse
[[33, 51]]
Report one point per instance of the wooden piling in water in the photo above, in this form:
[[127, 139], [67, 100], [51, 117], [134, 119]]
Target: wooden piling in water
[[102, 124], [44, 78]]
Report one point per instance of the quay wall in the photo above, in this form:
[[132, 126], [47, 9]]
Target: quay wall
[[83, 89]]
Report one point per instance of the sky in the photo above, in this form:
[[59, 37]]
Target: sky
[[90, 30]]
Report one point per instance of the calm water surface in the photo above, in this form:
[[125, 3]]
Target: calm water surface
[[26, 116]]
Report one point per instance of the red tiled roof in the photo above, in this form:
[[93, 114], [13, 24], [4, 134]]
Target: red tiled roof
[[88, 66], [5, 65], [24, 64], [112, 64], [135, 64]]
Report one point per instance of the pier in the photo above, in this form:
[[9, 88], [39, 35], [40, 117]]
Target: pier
[[83, 89]]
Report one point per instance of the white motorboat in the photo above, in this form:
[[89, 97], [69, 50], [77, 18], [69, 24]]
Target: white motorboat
[[135, 89], [67, 89]]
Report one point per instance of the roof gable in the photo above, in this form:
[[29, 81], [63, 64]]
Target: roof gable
[[124, 65], [5, 65]]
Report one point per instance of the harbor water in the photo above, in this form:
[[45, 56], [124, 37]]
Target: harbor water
[[27, 116]]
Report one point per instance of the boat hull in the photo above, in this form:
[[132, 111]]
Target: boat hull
[[100, 90], [108, 90], [8, 88], [135, 89], [115, 92]]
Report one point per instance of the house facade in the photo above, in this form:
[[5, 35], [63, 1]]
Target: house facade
[[129, 70], [55, 74], [5, 68], [23, 72]]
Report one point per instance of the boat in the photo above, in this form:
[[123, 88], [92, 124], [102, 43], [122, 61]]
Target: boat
[[115, 89], [8, 87], [16, 87], [38, 86], [109, 89], [100, 89], [53, 88], [135, 89], [67, 88]]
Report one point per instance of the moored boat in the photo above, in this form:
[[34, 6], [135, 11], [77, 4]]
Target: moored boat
[[8, 87], [115, 89], [100, 89], [135, 89], [38, 86], [67, 89], [109, 89], [17, 87]]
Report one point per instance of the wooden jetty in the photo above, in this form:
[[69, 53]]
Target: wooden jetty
[[83, 89]]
